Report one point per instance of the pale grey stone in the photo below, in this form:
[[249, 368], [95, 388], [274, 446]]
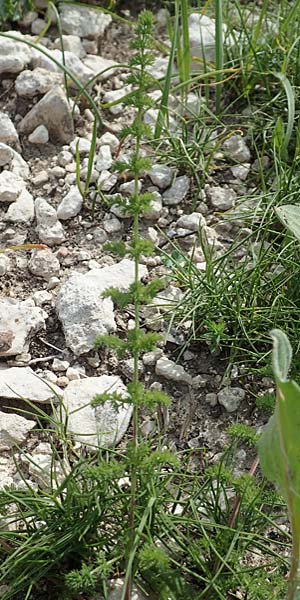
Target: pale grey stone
[[6, 155], [241, 171], [109, 139], [11, 186], [25, 320], [71, 204], [22, 210], [83, 145], [192, 222], [116, 587], [40, 135], [177, 192], [104, 68], [74, 64], [101, 426], [161, 175], [53, 111], [170, 370], [155, 209], [49, 228], [14, 56], [41, 297], [44, 264], [237, 149], [22, 382], [104, 158], [60, 365], [221, 198], [8, 134], [83, 311], [71, 43], [112, 225], [114, 95], [38, 81], [13, 429], [4, 264], [231, 398], [202, 38], [84, 22]]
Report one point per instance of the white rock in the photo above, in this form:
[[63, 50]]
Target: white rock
[[22, 210], [101, 426], [65, 158], [14, 56], [112, 225], [4, 264], [41, 297], [192, 221], [22, 382], [53, 111], [221, 198], [128, 187], [71, 43], [83, 311], [84, 22], [71, 204], [13, 429], [106, 180], [38, 81], [49, 228], [44, 264], [7, 472], [40, 135], [6, 155], [60, 365], [109, 139], [83, 145], [155, 210], [202, 38], [104, 68], [104, 158], [114, 95], [241, 171], [161, 175], [8, 134], [16, 163], [48, 473], [74, 64], [170, 370], [237, 149], [231, 398], [159, 68], [177, 192], [37, 26], [25, 320], [11, 186]]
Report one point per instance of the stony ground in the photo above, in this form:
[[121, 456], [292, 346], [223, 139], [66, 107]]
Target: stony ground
[[51, 307]]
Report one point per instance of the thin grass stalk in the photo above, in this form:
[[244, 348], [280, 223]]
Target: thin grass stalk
[[219, 49], [163, 107]]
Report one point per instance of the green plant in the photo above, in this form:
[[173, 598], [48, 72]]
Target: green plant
[[279, 448], [12, 10]]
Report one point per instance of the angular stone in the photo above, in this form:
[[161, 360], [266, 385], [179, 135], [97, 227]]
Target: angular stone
[[19, 322], [17, 164], [83, 311], [38, 81], [177, 192], [22, 382], [22, 210], [49, 228], [40, 135], [84, 22], [72, 43], [8, 134], [221, 198], [170, 370], [14, 56], [101, 426], [54, 112], [161, 175], [102, 67], [71, 204], [13, 429], [11, 186], [237, 149], [44, 264], [202, 38], [231, 398], [192, 221]]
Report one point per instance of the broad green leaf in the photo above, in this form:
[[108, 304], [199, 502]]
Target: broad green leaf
[[289, 215], [282, 354]]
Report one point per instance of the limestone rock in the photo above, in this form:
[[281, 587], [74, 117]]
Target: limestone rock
[[14, 160], [11, 186], [84, 22], [40, 135], [38, 81], [83, 311], [13, 429], [8, 134], [43, 263], [53, 111], [22, 210], [21, 382], [101, 426], [14, 56], [231, 398], [19, 321], [202, 37], [49, 228], [171, 370], [237, 149], [102, 67], [177, 192], [71, 204], [161, 175]]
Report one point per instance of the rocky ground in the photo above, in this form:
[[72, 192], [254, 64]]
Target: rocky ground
[[51, 305]]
